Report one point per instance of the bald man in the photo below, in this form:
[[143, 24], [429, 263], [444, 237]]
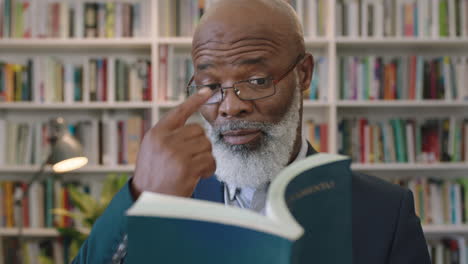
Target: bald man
[[251, 68]]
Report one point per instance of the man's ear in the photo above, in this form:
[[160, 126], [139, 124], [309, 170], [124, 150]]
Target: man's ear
[[305, 70]]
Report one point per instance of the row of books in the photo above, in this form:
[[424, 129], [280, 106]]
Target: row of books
[[313, 15], [404, 140], [402, 18], [174, 73], [55, 79], [319, 85], [439, 202], [73, 19], [317, 135], [16, 82], [29, 251], [180, 17], [112, 140], [42, 199], [449, 250], [403, 77]]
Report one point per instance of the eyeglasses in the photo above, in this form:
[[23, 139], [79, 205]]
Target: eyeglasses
[[247, 90]]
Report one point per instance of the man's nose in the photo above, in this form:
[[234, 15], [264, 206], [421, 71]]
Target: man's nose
[[233, 107]]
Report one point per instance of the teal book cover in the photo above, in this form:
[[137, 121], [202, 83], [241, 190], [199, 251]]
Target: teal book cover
[[308, 220]]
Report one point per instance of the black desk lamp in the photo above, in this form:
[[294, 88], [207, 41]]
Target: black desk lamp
[[66, 155]]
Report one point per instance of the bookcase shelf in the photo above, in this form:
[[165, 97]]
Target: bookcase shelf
[[168, 105], [74, 43], [307, 104], [315, 104], [396, 167], [30, 232], [443, 230], [75, 106], [316, 42], [33, 232], [402, 103], [176, 41], [402, 41], [87, 169], [354, 41], [431, 230], [390, 171]]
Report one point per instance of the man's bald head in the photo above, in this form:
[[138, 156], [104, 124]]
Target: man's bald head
[[231, 21]]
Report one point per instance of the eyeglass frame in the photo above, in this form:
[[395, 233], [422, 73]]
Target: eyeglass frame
[[274, 81]]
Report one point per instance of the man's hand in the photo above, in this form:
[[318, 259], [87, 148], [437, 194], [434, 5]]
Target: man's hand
[[174, 156]]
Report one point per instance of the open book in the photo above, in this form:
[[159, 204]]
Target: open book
[[308, 220]]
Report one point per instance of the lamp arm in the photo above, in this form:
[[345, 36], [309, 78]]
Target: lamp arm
[[19, 196], [36, 176]]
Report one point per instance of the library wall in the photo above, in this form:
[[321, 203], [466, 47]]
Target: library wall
[[389, 89]]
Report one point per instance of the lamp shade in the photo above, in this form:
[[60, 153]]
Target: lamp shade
[[66, 152]]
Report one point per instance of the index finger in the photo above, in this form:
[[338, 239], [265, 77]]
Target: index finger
[[178, 116]]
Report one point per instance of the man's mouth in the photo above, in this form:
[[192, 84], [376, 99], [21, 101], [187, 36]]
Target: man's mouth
[[239, 137]]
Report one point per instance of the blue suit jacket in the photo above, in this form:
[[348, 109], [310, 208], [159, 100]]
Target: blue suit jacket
[[385, 227]]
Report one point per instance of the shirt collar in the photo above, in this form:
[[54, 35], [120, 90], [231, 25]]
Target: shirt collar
[[303, 150], [233, 190]]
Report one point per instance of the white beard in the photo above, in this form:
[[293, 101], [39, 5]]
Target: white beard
[[253, 166]]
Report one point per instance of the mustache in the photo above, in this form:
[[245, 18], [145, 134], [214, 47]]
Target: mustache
[[218, 129]]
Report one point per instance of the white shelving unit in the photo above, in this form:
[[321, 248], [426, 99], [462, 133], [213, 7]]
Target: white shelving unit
[[29, 232], [434, 230], [87, 169], [401, 103], [401, 41], [409, 171], [115, 43], [328, 111], [75, 106], [32, 232], [444, 230]]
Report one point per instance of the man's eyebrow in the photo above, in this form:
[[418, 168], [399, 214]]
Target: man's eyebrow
[[250, 61], [240, 62], [204, 66]]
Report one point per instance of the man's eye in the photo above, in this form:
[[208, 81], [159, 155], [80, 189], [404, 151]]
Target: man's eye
[[213, 86], [258, 81]]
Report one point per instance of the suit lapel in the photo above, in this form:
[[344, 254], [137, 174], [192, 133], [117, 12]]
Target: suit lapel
[[209, 190], [310, 149]]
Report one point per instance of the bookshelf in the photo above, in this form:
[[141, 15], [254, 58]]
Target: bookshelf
[[86, 169], [329, 111], [435, 230], [76, 106], [32, 232], [399, 41], [438, 230], [402, 103], [77, 43]]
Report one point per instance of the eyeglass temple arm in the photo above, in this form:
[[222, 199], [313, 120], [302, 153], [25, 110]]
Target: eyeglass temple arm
[[299, 58], [188, 85]]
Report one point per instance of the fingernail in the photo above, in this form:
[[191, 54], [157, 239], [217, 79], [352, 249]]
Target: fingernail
[[204, 91]]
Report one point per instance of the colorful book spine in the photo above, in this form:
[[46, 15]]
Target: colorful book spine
[[402, 78], [403, 140], [317, 135], [401, 18]]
